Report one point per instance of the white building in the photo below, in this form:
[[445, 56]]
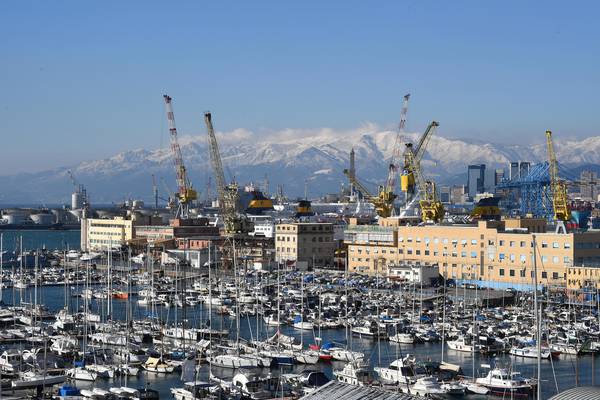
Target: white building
[[426, 274]]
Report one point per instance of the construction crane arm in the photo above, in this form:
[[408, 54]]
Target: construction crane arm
[[185, 192], [215, 160], [396, 152], [419, 150], [361, 188]]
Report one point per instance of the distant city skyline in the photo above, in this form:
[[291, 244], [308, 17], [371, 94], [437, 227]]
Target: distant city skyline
[[83, 81]]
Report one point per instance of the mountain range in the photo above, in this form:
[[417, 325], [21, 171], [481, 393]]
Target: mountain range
[[291, 158]]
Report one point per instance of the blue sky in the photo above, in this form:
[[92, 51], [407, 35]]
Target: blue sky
[[83, 80]]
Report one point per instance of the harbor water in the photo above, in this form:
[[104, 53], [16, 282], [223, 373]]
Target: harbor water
[[559, 374]]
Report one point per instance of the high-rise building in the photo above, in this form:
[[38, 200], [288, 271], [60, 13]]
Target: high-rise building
[[458, 194], [513, 171], [519, 169], [499, 176], [588, 187], [524, 167], [445, 194], [475, 179]]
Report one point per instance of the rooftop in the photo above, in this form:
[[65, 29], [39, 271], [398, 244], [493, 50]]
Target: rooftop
[[339, 390]]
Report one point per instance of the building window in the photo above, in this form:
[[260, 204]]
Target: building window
[[473, 241], [522, 243], [523, 258], [555, 259], [501, 242], [522, 273], [511, 272], [511, 243], [555, 275], [555, 245], [544, 275], [544, 258], [544, 245], [501, 272], [567, 245]]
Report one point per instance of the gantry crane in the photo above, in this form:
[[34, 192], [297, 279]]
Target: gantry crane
[[432, 209], [384, 200], [228, 194], [185, 193], [558, 188]]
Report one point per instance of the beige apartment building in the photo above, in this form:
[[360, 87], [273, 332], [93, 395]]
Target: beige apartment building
[[100, 234], [492, 253], [308, 244]]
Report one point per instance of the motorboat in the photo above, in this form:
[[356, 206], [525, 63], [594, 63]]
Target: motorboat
[[355, 373], [157, 365], [32, 379], [502, 382]]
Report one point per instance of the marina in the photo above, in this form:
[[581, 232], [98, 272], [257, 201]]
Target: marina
[[256, 334]]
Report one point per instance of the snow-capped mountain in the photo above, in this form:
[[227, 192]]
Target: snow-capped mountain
[[289, 157]]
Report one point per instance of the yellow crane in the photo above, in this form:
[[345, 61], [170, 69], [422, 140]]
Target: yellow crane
[[412, 157], [384, 200], [560, 204], [432, 209]]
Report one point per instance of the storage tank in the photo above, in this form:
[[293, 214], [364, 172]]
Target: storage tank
[[76, 201], [15, 218], [43, 218]]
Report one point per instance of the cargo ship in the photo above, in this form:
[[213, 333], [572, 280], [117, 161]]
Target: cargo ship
[[254, 201]]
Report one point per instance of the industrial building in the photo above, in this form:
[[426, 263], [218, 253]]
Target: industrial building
[[307, 244], [489, 253]]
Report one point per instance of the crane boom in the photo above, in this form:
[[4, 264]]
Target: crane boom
[[185, 193], [432, 209], [228, 194], [424, 140], [412, 159], [559, 188], [393, 168], [215, 160]]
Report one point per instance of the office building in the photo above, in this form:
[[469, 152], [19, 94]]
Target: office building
[[475, 179], [306, 244]]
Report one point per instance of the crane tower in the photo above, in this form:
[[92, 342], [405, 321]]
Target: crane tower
[[185, 193]]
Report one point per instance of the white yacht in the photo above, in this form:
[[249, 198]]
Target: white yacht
[[403, 338], [341, 354], [32, 380], [355, 373], [501, 382], [399, 372], [426, 386]]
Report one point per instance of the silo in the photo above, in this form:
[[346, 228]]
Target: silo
[[76, 201]]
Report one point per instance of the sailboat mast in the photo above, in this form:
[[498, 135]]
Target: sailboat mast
[[537, 322], [1, 264]]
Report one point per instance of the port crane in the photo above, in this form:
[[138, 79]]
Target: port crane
[[412, 158], [562, 213], [384, 200], [185, 193], [432, 209], [396, 153], [236, 224]]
